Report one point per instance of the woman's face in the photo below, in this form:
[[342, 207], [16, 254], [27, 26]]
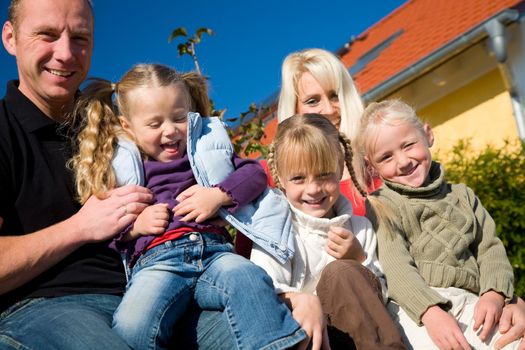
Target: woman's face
[[313, 98]]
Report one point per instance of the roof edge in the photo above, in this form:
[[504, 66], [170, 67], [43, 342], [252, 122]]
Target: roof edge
[[450, 49]]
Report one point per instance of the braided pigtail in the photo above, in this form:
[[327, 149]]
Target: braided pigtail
[[348, 154], [271, 165]]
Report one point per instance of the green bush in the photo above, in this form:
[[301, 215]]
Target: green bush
[[497, 176]]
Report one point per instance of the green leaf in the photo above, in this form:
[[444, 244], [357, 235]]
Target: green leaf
[[181, 31], [203, 30]]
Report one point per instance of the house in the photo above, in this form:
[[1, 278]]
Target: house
[[460, 64]]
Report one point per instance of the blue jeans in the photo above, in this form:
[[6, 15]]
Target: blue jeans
[[70, 322], [202, 269], [83, 322]]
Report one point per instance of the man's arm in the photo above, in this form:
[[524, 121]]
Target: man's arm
[[25, 257]]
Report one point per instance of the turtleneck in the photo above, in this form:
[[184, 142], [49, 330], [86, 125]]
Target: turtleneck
[[433, 185]]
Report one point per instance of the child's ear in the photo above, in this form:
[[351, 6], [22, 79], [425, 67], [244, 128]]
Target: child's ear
[[429, 134], [370, 168], [125, 125]]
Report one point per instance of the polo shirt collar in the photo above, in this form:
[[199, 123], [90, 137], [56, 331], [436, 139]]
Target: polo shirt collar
[[28, 114]]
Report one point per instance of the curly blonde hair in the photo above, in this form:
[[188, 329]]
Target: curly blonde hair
[[97, 112]]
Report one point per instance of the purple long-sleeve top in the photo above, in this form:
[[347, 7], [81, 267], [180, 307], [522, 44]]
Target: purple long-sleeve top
[[168, 179]]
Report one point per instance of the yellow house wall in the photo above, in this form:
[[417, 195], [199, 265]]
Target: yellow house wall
[[481, 111]]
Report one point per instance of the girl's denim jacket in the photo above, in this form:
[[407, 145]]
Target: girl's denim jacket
[[267, 221]]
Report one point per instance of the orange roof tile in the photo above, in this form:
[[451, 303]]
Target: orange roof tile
[[426, 25]]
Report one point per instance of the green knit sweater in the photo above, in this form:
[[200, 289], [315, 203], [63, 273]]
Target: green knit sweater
[[443, 237]]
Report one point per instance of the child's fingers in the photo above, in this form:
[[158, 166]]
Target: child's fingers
[[479, 317], [182, 208], [190, 191], [326, 340], [462, 341], [340, 231], [201, 217], [191, 216], [488, 325], [156, 230]]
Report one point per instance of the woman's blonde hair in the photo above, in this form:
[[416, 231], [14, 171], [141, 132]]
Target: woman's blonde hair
[[331, 74], [99, 127], [310, 144]]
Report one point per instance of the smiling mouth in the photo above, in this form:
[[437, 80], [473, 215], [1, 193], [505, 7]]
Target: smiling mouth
[[60, 73], [411, 171], [171, 146], [314, 202]]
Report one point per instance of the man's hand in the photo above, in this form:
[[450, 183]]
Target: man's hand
[[444, 330], [102, 219], [512, 325]]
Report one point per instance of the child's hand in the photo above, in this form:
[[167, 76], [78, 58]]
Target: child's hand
[[488, 312], [152, 221], [342, 244], [200, 203], [443, 329], [308, 312]]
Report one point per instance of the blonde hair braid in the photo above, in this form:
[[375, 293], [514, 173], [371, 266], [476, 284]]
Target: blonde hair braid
[[349, 154], [271, 165]]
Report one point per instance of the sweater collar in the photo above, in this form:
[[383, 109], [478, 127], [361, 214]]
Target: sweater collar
[[435, 183], [343, 212]]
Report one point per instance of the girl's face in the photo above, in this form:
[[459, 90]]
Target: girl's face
[[314, 195], [400, 153], [158, 120], [312, 98]]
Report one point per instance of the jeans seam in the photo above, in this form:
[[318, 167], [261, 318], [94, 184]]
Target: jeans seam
[[18, 306], [286, 341], [4, 339]]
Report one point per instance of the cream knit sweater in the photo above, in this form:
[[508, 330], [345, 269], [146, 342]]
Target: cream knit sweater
[[302, 272], [443, 238]]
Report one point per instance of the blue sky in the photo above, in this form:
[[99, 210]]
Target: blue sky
[[243, 59]]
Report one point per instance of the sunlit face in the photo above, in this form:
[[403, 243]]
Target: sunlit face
[[158, 120], [314, 195], [401, 153], [312, 98], [52, 43]]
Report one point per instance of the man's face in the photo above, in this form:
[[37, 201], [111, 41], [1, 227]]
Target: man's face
[[52, 42]]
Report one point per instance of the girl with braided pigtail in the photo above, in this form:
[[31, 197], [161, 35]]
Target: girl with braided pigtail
[[306, 161]]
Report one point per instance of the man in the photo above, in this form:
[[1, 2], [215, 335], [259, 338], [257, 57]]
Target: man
[[59, 282], [50, 248]]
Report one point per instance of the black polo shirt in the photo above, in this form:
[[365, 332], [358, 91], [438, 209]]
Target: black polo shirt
[[37, 191]]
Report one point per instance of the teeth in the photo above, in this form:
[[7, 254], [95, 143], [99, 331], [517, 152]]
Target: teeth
[[60, 73]]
